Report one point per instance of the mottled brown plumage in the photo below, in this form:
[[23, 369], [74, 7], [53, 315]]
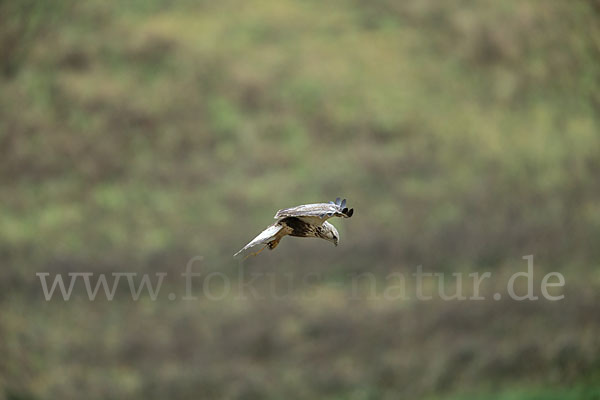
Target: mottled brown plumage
[[308, 220]]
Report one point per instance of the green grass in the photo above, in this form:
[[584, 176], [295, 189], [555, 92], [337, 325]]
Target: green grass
[[135, 135], [591, 392]]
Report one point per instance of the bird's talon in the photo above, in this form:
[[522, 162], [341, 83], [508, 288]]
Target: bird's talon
[[256, 253]]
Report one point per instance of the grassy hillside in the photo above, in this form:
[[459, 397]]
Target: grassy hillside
[[135, 135]]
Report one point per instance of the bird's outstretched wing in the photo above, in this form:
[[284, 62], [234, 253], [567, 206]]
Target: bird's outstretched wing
[[316, 214], [264, 237]]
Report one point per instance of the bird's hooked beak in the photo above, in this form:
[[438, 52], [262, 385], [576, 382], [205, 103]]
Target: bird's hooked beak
[[336, 237], [333, 240]]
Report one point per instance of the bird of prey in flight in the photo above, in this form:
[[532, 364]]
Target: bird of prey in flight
[[308, 220]]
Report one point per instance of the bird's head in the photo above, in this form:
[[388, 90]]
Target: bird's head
[[329, 233]]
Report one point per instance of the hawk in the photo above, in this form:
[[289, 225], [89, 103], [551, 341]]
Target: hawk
[[308, 220]]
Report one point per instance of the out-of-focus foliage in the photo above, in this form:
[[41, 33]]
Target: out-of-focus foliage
[[137, 134]]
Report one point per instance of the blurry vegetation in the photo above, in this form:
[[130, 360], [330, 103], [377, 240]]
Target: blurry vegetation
[[137, 134]]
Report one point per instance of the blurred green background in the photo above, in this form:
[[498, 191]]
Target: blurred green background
[[137, 134]]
